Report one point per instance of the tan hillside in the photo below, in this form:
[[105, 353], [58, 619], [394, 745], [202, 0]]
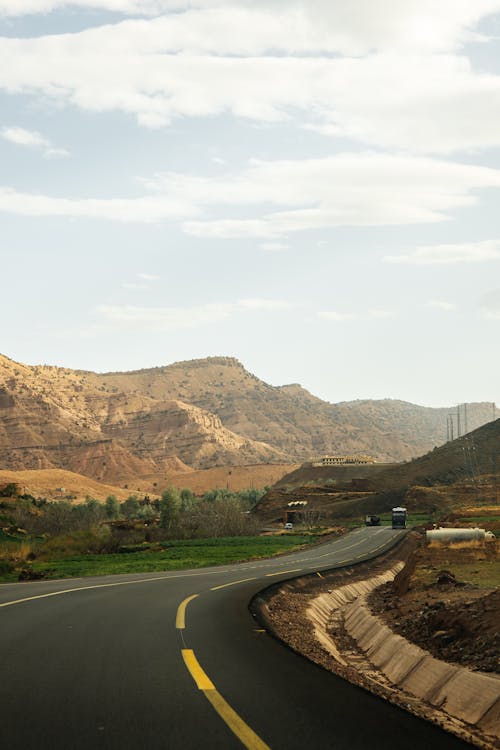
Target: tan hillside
[[118, 427], [463, 471], [57, 484], [292, 419], [233, 478]]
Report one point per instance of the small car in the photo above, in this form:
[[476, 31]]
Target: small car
[[288, 526]]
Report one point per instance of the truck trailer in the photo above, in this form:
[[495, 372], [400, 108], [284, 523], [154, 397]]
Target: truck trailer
[[399, 518]]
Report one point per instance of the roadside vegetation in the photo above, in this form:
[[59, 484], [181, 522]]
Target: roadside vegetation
[[51, 539]]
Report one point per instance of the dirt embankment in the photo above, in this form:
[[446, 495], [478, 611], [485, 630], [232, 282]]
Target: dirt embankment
[[428, 603], [282, 607], [448, 603]]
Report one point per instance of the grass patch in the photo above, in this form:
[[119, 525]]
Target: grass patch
[[478, 519], [176, 555], [484, 573]]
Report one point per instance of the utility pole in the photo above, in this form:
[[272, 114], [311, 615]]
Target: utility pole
[[459, 432], [450, 426], [466, 428]]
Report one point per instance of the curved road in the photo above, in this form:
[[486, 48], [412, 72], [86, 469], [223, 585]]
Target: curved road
[[176, 661]]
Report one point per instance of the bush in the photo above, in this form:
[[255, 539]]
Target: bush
[[78, 543]]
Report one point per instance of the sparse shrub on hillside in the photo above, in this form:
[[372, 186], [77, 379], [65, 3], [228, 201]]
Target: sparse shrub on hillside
[[11, 489]]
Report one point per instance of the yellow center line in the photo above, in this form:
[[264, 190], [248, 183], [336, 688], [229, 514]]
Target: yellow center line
[[283, 572], [103, 586], [243, 732], [180, 618], [203, 681], [232, 583]]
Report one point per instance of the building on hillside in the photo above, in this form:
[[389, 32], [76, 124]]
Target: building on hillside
[[342, 460]]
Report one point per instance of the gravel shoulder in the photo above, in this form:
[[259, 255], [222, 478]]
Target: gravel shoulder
[[444, 600]]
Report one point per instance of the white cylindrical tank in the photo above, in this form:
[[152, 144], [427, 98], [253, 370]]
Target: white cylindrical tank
[[455, 535]]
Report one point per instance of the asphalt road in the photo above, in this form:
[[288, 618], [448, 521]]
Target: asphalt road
[[176, 661]]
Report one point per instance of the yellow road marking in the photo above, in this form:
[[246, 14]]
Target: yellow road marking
[[180, 618], [319, 574], [243, 732], [233, 583], [283, 572], [203, 681], [102, 586]]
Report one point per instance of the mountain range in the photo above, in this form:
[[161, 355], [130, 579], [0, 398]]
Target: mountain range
[[195, 414]]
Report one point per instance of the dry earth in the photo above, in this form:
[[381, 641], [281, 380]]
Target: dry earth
[[449, 605], [233, 478], [56, 484], [472, 617], [204, 413]]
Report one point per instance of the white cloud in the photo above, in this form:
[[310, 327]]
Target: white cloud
[[469, 252], [148, 277], [442, 305], [360, 189], [23, 137], [56, 153], [145, 209], [390, 89], [32, 139], [353, 28], [164, 318]]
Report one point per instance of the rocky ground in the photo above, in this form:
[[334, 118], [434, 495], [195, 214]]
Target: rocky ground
[[429, 603], [443, 610]]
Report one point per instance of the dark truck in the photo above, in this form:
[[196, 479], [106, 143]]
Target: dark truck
[[371, 520], [399, 518]]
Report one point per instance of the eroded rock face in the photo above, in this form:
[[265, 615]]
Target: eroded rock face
[[201, 413], [53, 417]]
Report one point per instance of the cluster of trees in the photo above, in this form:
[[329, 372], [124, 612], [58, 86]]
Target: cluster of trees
[[177, 513]]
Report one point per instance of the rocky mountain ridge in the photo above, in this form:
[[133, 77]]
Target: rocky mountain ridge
[[194, 414]]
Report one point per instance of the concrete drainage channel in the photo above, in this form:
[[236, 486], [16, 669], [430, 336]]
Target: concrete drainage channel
[[461, 701]]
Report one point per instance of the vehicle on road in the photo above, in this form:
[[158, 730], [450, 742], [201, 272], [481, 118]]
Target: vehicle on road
[[399, 518], [289, 527]]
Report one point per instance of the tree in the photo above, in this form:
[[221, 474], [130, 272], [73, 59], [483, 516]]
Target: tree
[[112, 507], [169, 507], [146, 513], [130, 508], [187, 499]]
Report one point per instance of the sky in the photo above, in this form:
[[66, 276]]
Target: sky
[[311, 187]]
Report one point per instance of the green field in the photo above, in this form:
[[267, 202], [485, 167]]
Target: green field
[[176, 555]]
